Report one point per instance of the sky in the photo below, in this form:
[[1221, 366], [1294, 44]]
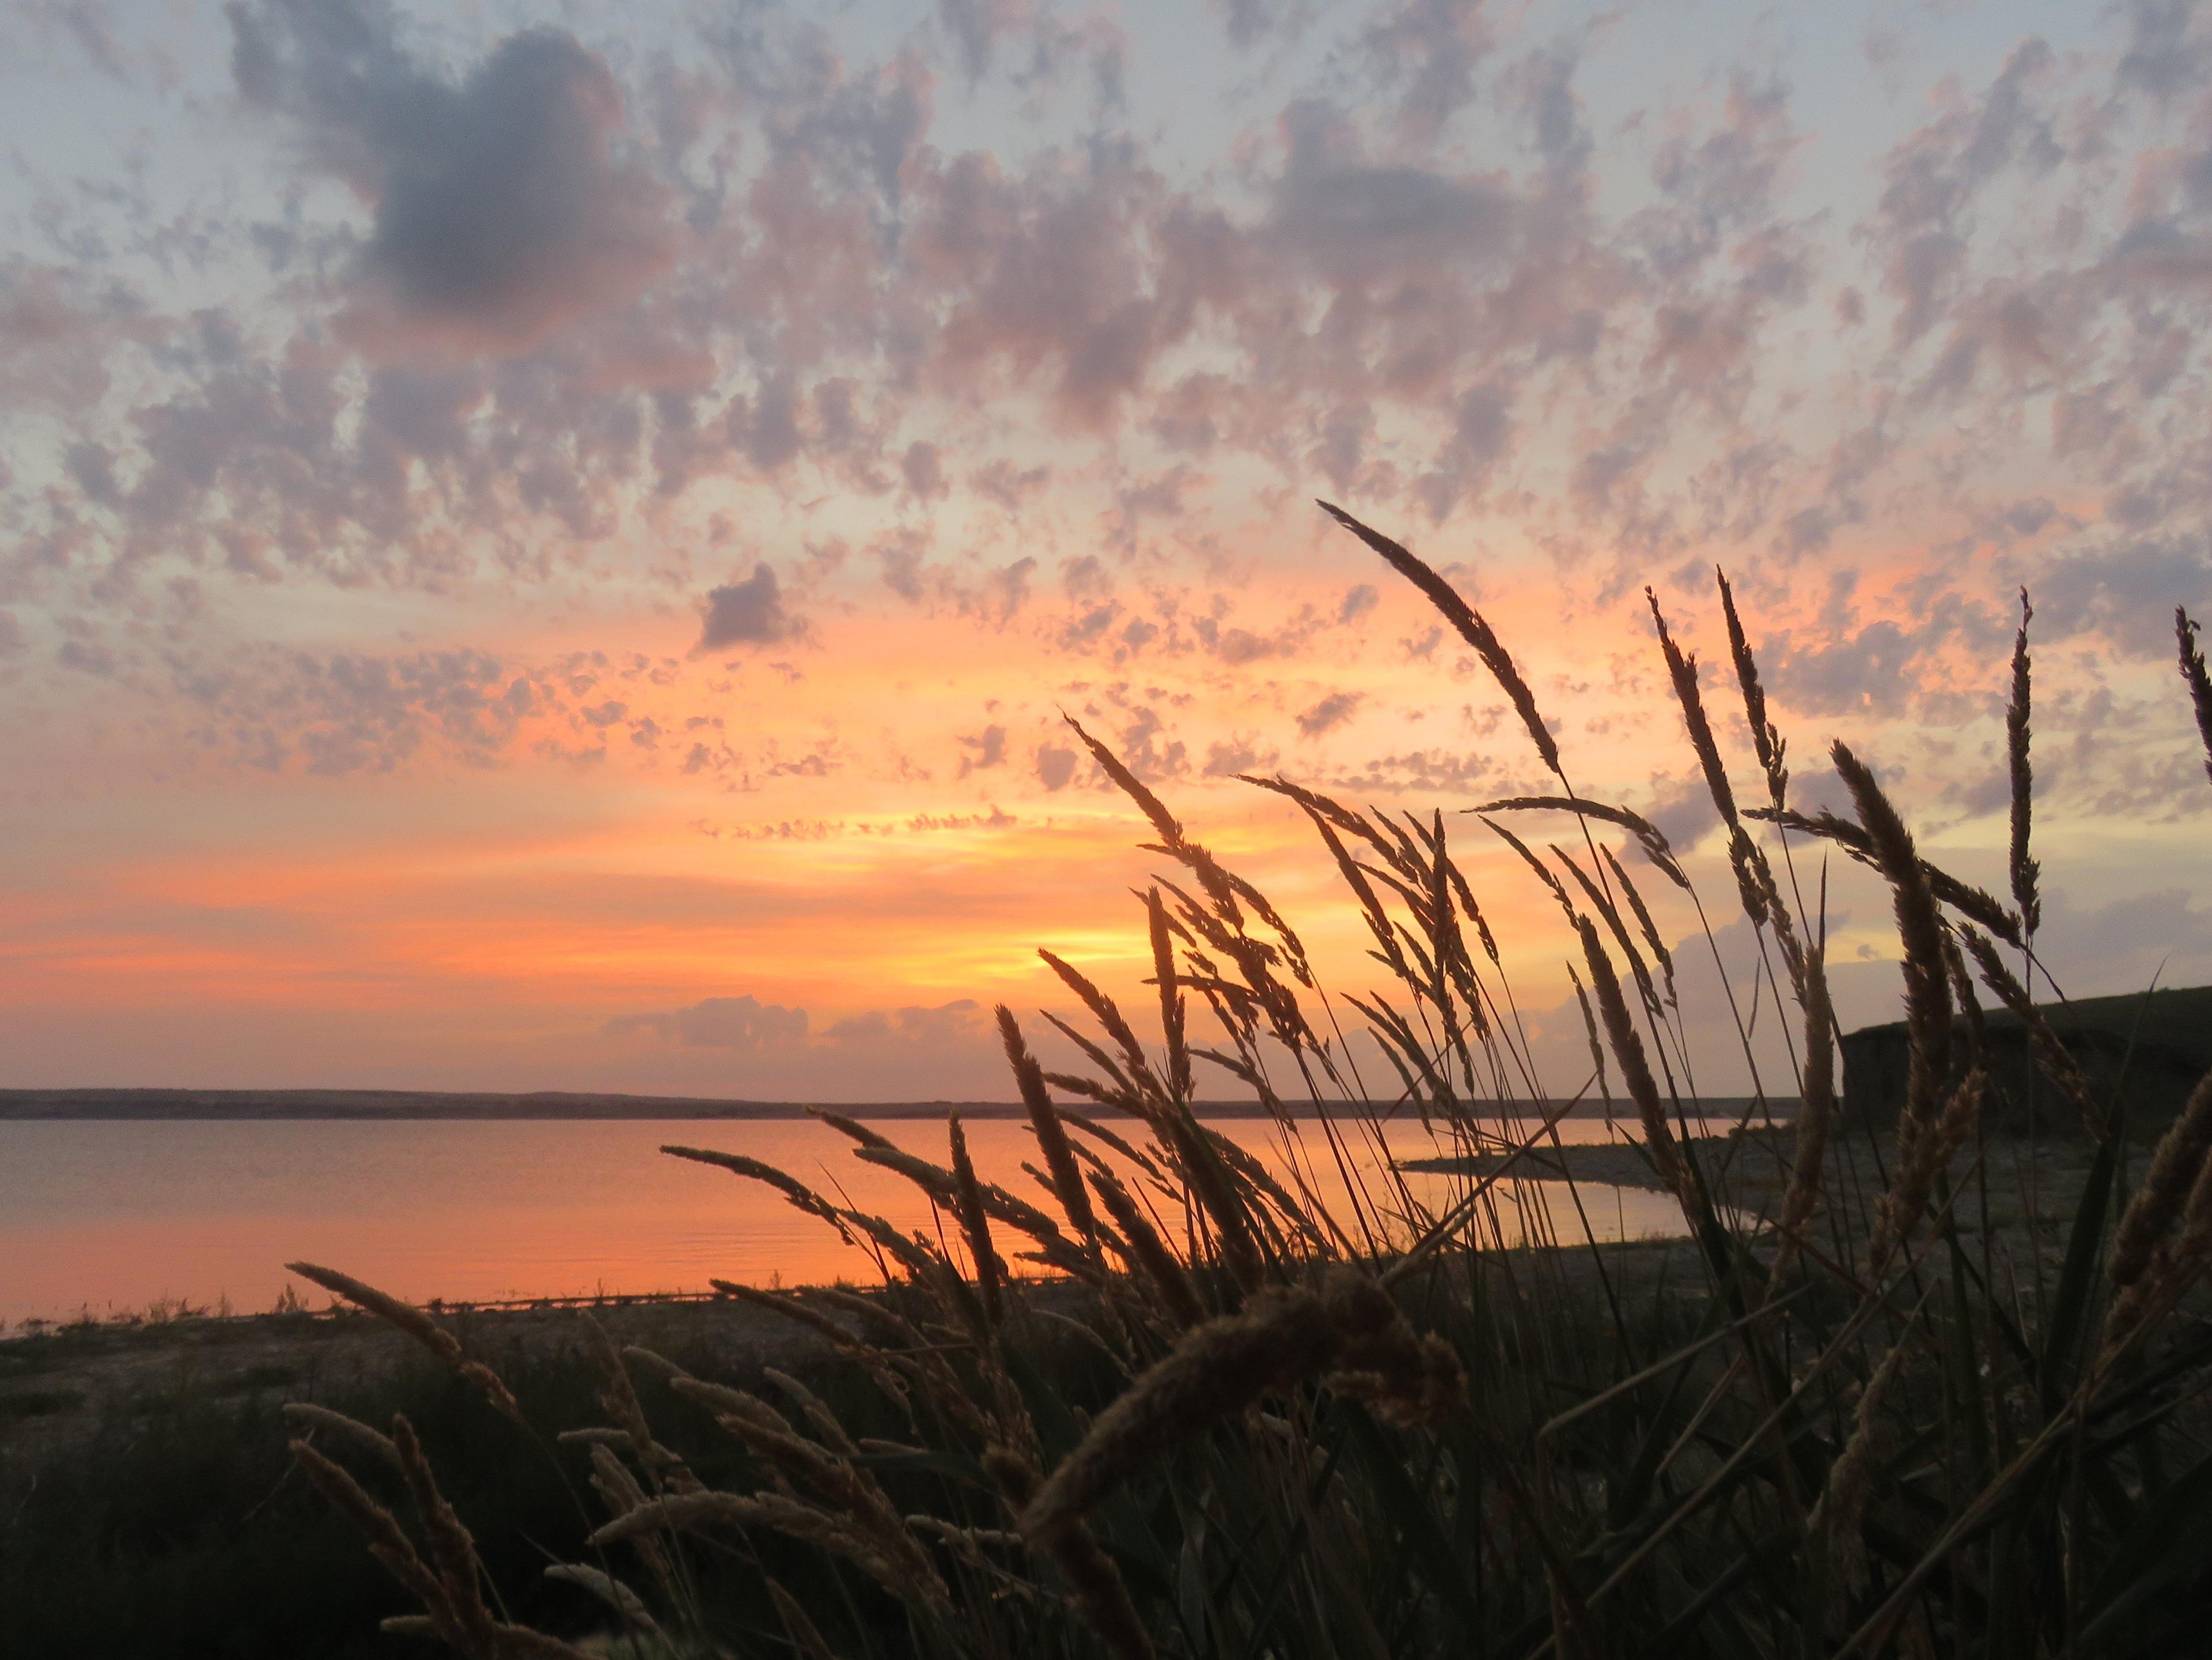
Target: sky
[[552, 546]]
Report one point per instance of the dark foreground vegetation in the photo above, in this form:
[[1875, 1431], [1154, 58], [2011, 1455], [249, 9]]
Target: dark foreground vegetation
[[1872, 1412], [150, 1510]]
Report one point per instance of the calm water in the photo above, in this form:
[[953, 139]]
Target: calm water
[[110, 1218]]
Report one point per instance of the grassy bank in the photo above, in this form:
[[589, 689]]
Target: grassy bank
[[154, 1509], [149, 1507]]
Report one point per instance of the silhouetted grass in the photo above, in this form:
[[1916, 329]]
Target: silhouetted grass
[[1862, 1423]]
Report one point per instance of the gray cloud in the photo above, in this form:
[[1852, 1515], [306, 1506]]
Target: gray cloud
[[57, 331], [747, 1025], [914, 1025], [1410, 280], [503, 208], [1055, 766], [744, 1023], [987, 749], [1332, 711], [747, 613], [1360, 220]]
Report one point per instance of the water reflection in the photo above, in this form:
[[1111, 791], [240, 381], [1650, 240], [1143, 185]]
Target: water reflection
[[110, 1218]]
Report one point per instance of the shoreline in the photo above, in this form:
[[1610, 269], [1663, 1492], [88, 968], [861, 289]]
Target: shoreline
[[58, 1384], [153, 1105]]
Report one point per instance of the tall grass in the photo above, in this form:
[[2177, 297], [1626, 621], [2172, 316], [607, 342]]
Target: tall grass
[[1237, 1420]]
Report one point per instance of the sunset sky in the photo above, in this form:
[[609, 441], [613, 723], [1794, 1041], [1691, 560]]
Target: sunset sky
[[547, 546]]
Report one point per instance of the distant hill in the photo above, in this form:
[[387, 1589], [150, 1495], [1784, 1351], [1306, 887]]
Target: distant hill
[[2163, 1040]]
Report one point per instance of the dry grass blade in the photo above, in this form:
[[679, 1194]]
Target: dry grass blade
[[2156, 1207], [1169, 828], [1920, 1160], [1219, 1369], [1148, 1253], [1766, 740], [1108, 1015], [2194, 676], [1106, 1138], [800, 1195], [1975, 903], [2175, 1268], [1257, 1175], [621, 1401], [1648, 835], [1171, 1003], [610, 1591], [1635, 1069], [2024, 869], [351, 1432], [850, 1128], [1840, 1514], [825, 1422], [1320, 806], [453, 1552], [1471, 627], [790, 1307], [1596, 1049], [2050, 1051], [1605, 908], [1045, 1123], [1682, 670], [406, 1317], [387, 1542], [1097, 1586], [1544, 872], [1815, 1115], [934, 1180], [1920, 931], [1649, 928], [968, 1203], [914, 1579]]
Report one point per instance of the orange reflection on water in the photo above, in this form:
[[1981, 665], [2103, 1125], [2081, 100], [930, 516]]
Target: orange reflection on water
[[109, 1218]]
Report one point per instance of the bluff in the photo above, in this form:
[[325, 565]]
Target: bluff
[[2160, 1042]]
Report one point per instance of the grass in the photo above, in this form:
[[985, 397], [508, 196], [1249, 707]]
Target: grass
[[1856, 1418], [169, 1521]]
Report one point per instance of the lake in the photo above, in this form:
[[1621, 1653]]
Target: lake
[[110, 1218]]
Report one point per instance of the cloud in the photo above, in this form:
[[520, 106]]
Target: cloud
[[1332, 711], [916, 1025], [747, 1025], [56, 337], [721, 1023], [987, 749], [1357, 220], [337, 714], [2127, 589], [1003, 484], [1055, 766], [923, 470], [747, 613], [1234, 756], [504, 206], [1422, 772]]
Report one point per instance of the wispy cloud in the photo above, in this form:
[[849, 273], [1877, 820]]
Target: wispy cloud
[[773, 422]]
